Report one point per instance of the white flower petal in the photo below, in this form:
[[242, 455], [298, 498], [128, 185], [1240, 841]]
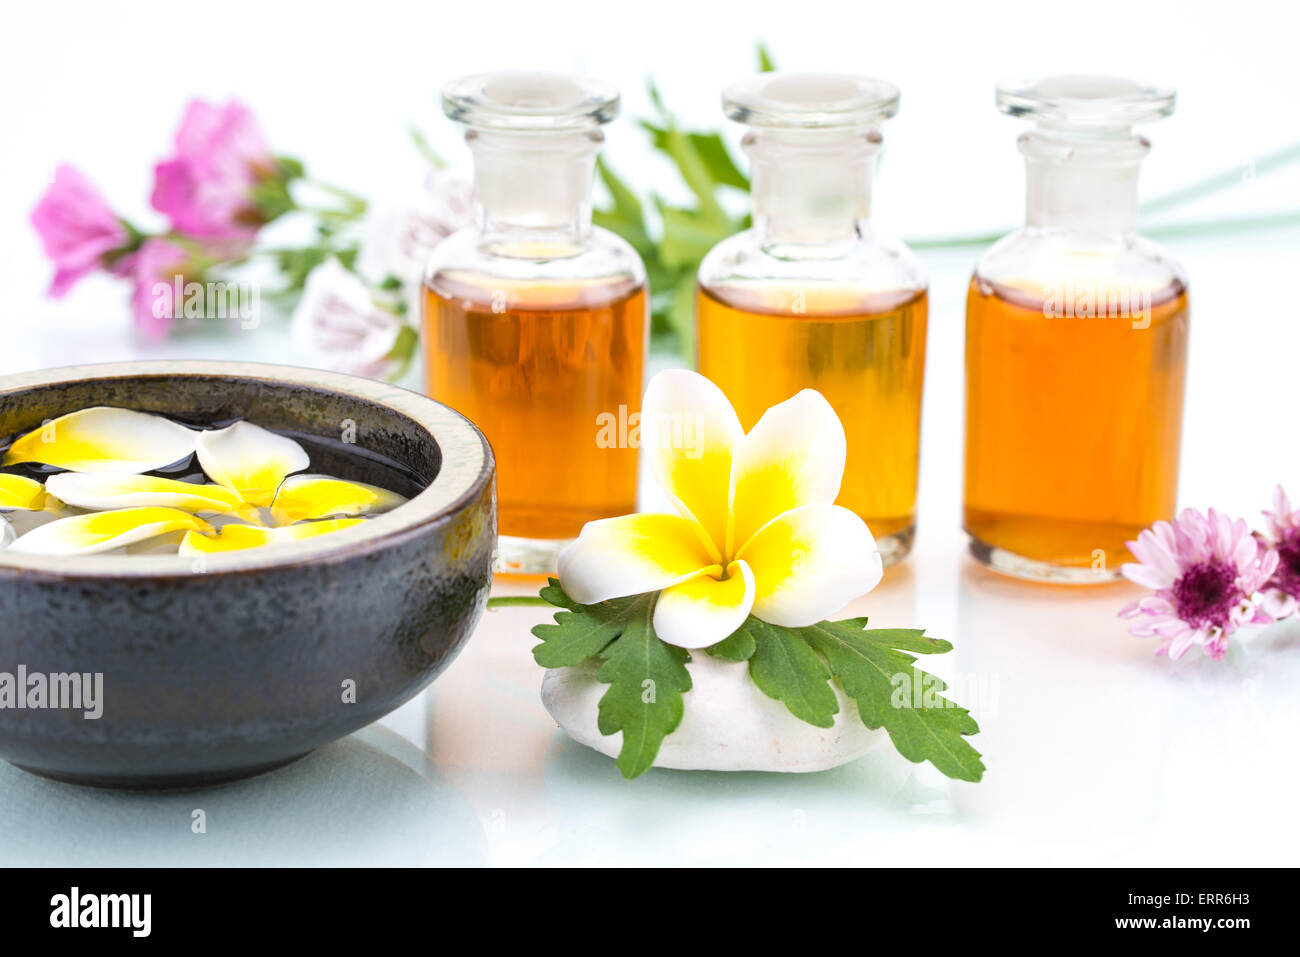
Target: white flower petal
[[101, 490], [249, 460], [630, 555], [811, 562], [105, 439], [7, 534], [19, 493], [103, 531], [303, 497], [704, 610], [232, 538], [690, 431], [794, 456]]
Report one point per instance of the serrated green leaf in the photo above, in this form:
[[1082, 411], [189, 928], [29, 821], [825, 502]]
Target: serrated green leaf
[[646, 679], [582, 631], [738, 646], [785, 668], [873, 670]]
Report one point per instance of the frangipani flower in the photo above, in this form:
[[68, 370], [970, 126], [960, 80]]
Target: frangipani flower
[[1282, 591], [249, 460], [107, 490], [19, 493], [105, 449], [306, 497], [104, 531], [756, 531], [105, 439], [232, 538], [1205, 570]]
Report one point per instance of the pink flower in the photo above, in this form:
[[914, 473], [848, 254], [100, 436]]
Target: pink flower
[[1282, 591], [207, 188], [154, 269], [77, 228], [1205, 570]]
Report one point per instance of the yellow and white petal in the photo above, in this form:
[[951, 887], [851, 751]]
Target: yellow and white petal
[[631, 555], [105, 439], [707, 608], [793, 456], [304, 497], [104, 531], [809, 563], [101, 490], [233, 538], [249, 460], [19, 493], [690, 431]]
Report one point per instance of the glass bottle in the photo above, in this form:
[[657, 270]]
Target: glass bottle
[[813, 297], [536, 321], [1076, 346]]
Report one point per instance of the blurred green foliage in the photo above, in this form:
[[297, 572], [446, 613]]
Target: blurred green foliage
[[676, 237]]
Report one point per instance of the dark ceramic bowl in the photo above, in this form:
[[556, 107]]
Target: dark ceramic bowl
[[243, 662]]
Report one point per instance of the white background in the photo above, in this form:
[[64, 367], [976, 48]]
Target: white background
[[1096, 752]]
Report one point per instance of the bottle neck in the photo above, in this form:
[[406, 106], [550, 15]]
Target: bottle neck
[[533, 189], [1082, 183], [811, 188]]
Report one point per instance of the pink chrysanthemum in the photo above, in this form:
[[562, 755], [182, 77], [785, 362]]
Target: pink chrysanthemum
[[1205, 570], [1281, 597]]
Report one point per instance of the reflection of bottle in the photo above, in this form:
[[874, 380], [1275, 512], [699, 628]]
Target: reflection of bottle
[[1076, 346], [811, 297], [535, 321]]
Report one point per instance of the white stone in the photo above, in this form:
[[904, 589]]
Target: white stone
[[728, 725]]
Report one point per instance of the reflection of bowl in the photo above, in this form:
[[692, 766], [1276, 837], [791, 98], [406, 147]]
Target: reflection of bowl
[[242, 662]]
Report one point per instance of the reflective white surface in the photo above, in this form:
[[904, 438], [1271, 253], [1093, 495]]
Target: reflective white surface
[[1097, 751]]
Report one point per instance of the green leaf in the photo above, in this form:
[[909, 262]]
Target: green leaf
[[765, 62], [738, 646], [786, 668], [581, 631], [877, 671], [289, 168], [712, 151], [272, 199], [646, 679], [681, 316]]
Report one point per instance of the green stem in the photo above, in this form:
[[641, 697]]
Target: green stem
[[511, 601]]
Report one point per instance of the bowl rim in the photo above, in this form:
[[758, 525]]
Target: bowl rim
[[468, 466]]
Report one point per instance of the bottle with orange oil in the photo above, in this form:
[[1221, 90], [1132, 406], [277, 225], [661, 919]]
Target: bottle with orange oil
[[1076, 346], [813, 297]]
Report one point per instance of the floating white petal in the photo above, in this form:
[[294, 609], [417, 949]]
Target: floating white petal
[[704, 610], [689, 430], [100, 490], [105, 439], [794, 456], [104, 531], [811, 562], [233, 538], [303, 497], [630, 555], [249, 460], [19, 493]]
